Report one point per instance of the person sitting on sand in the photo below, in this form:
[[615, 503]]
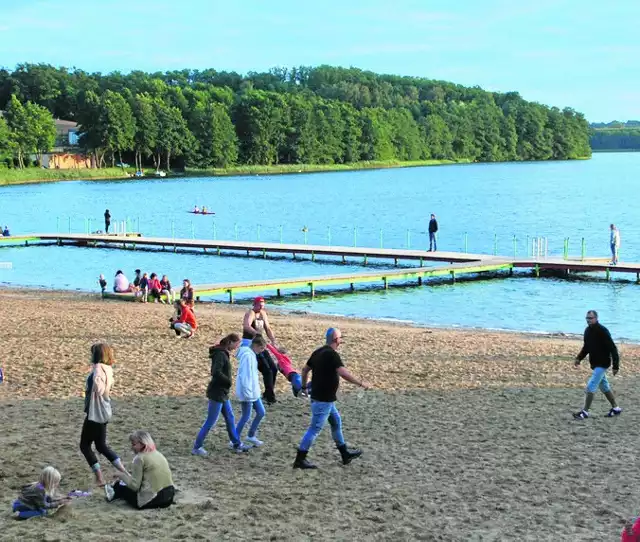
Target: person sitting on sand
[[218, 395], [256, 322], [40, 498], [166, 288], [155, 288], [121, 283], [97, 407], [187, 292], [150, 484], [103, 283], [186, 323]]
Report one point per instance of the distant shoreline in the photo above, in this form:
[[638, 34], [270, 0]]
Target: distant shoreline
[[36, 175], [10, 177]]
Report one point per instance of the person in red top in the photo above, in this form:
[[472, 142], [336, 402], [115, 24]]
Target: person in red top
[[186, 324], [155, 288]]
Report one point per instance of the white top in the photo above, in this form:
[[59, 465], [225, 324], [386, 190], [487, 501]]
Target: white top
[[121, 283], [615, 237], [247, 379]]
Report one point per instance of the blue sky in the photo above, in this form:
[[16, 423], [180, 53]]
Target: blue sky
[[578, 53]]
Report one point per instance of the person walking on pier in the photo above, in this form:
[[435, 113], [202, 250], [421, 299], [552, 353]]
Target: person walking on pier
[[107, 221], [433, 229], [327, 369], [255, 323], [615, 244], [601, 349]]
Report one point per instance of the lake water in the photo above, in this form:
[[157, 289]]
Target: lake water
[[479, 203]]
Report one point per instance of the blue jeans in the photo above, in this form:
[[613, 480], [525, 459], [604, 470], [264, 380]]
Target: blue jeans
[[614, 253], [212, 417], [598, 380], [433, 245], [321, 413], [246, 414]]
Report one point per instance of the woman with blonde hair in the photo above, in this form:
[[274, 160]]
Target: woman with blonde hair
[[41, 497], [97, 407], [150, 484]]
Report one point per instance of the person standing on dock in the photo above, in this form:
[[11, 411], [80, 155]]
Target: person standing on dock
[[107, 221], [602, 351], [433, 230], [255, 323], [615, 244], [327, 368]]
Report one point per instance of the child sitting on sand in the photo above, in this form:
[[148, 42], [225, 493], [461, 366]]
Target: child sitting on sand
[[40, 498]]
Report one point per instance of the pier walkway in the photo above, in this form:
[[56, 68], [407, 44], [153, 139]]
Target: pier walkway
[[458, 264]]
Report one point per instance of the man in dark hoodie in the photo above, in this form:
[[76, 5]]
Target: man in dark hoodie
[[602, 351]]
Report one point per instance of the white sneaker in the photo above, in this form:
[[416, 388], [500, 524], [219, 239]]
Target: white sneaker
[[200, 451], [242, 448], [109, 492], [255, 441]]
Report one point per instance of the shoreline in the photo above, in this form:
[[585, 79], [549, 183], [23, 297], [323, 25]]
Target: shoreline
[[297, 313], [116, 174]]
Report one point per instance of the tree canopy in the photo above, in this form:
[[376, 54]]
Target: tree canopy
[[321, 115]]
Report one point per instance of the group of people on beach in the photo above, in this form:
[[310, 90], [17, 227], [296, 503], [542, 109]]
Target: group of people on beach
[[149, 484], [147, 285]]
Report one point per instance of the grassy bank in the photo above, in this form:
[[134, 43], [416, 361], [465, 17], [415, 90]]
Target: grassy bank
[[281, 169], [36, 175]]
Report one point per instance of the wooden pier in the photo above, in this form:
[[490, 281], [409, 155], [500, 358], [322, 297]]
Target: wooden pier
[[459, 265]]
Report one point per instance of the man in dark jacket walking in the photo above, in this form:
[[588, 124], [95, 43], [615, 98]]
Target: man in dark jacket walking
[[433, 229], [602, 351]]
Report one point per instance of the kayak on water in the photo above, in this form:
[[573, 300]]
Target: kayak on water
[[201, 213]]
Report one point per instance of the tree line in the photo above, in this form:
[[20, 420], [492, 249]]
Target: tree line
[[323, 115], [616, 136]]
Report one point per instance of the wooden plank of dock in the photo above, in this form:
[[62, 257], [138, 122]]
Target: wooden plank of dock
[[262, 247]]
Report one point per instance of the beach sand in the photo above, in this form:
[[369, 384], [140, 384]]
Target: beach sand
[[467, 434]]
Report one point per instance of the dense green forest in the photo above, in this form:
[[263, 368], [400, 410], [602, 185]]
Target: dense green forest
[[616, 136], [323, 115]]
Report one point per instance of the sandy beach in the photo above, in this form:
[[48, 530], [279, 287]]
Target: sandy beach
[[467, 434]]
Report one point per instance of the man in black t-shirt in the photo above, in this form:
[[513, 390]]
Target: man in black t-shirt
[[327, 368]]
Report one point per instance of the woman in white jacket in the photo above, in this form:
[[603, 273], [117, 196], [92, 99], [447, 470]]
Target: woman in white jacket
[[248, 386]]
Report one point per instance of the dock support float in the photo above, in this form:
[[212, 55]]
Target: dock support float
[[386, 283], [343, 260], [313, 256], [352, 287], [537, 270], [395, 262], [230, 296], [218, 250], [419, 281], [312, 290], [638, 278], [264, 253], [453, 276], [365, 259], [174, 248], [278, 293], [420, 262], [608, 272]]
